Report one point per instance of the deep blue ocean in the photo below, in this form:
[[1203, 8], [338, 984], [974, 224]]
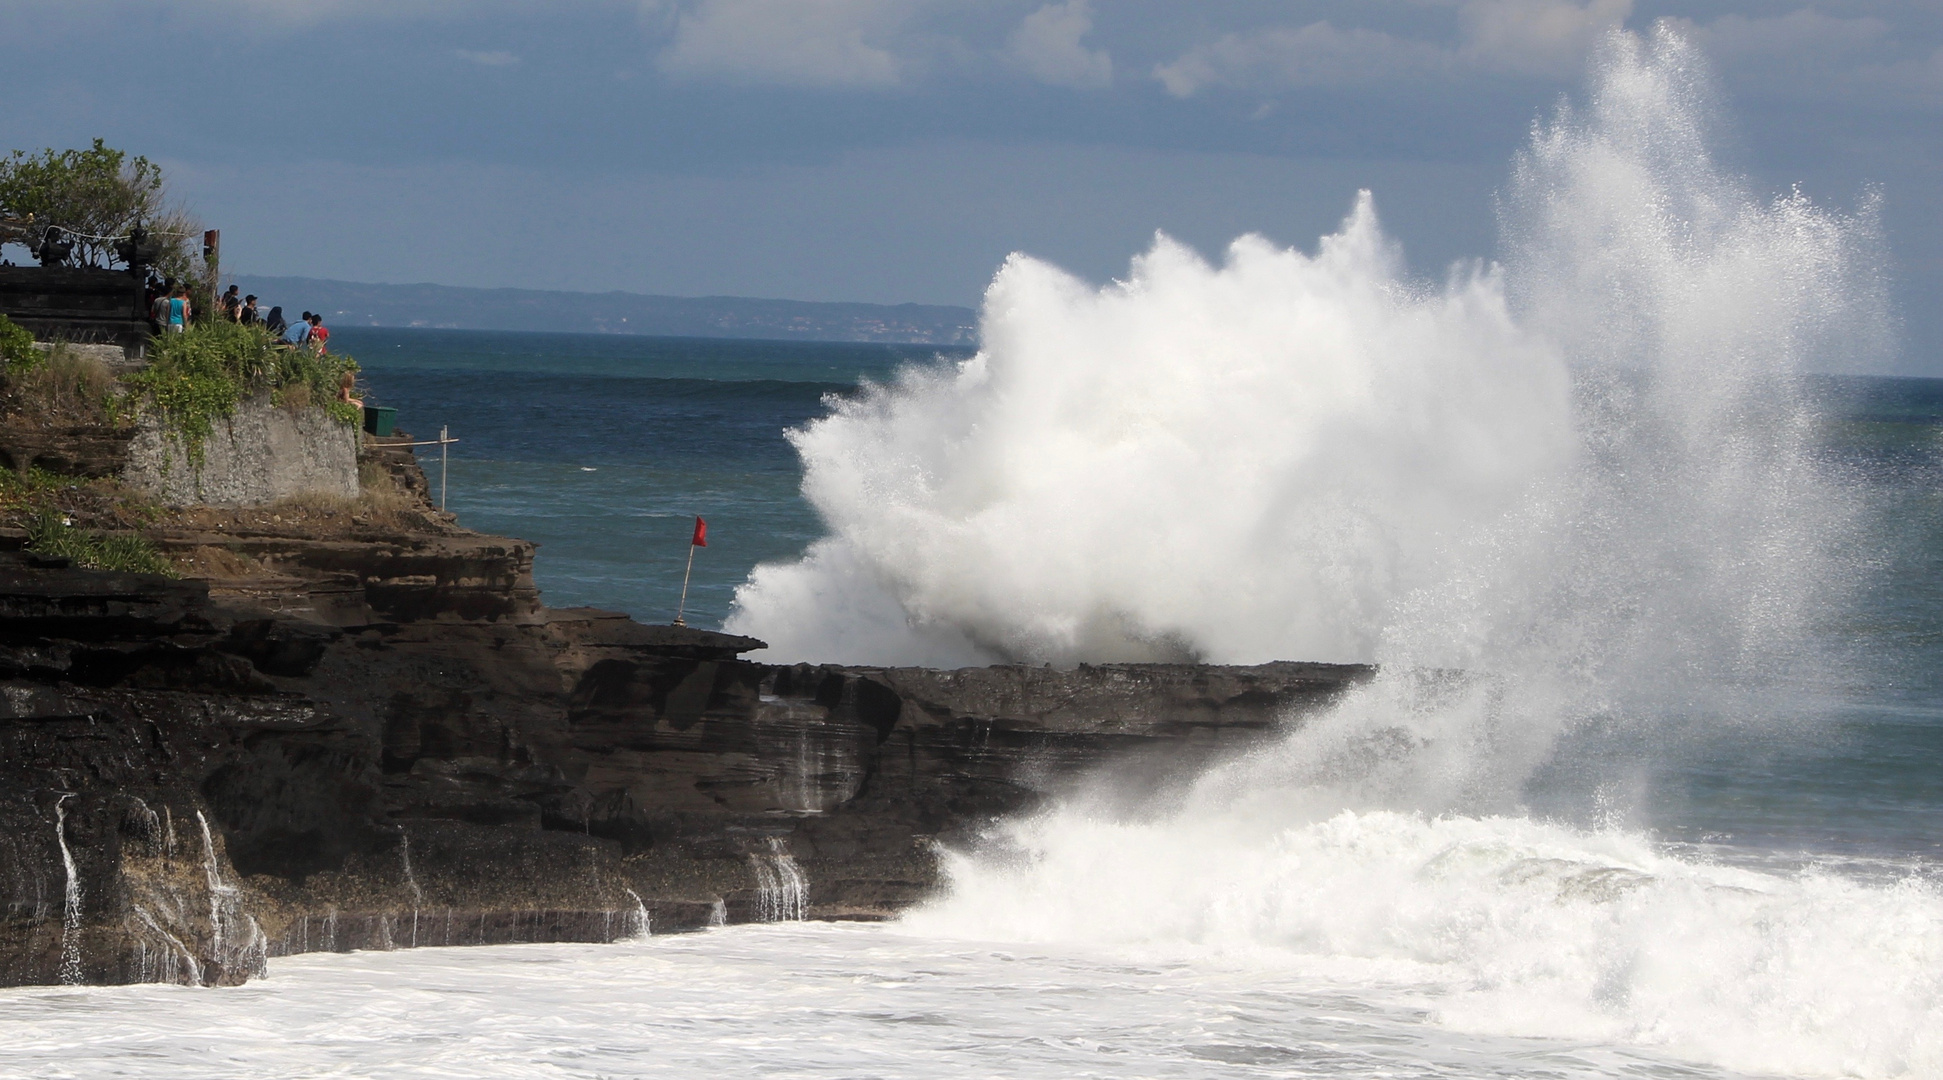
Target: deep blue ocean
[[603, 448]]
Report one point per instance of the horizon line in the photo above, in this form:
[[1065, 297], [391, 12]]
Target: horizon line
[[593, 292]]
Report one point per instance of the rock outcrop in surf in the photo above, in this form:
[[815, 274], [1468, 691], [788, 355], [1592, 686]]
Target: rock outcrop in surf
[[386, 740]]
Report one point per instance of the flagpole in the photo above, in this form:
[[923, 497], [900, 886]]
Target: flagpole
[[684, 586]]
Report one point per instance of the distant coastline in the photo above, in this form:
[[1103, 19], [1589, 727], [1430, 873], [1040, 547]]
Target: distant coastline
[[451, 307]]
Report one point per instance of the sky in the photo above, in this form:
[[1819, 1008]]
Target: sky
[[898, 150]]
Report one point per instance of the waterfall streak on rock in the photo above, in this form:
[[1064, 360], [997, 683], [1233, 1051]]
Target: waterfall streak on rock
[[411, 882], [166, 969], [638, 923], [782, 891], [70, 971]]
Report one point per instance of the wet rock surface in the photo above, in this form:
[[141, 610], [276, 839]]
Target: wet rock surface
[[386, 741]]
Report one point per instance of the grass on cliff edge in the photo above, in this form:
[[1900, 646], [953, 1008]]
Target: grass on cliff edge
[[62, 387], [199, 376], [54, 383], [50, 534]]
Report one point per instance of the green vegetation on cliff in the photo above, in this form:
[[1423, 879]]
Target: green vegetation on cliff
[[197, 377], [17, 352], [50, 534]]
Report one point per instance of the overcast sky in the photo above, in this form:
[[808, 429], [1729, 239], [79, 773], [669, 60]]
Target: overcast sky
[[894, 150]]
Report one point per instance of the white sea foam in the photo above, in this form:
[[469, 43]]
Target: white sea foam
[[784, 999], [1494, 926]]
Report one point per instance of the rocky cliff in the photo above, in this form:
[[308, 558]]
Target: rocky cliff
[[349, 729]]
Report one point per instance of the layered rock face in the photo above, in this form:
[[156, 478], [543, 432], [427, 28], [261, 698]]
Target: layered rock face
[[387, 741]]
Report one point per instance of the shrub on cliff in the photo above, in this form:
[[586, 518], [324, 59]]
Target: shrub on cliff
[[197, 377], [17, 350], [31, 491]]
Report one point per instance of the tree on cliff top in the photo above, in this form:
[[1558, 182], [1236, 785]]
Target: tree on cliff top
[[92, 194]]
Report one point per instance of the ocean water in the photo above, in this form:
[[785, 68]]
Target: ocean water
[[1649, 787], [602, 449]]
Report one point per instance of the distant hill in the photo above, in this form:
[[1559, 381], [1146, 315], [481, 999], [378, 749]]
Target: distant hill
[[356, 304]]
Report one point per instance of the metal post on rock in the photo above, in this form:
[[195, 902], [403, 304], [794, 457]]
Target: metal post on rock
[[684, 586], [212, 258], [444, 440], [700, 539]]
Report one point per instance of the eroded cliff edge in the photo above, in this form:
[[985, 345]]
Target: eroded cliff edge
[[344, 734]]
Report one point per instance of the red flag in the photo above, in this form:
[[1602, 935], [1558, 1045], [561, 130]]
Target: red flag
[[701, 533]]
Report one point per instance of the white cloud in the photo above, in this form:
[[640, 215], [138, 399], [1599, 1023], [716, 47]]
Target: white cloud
[[1805, 54], [1047, 46], [303, 13], [1798, 34], [1536, 37], [1523, 37], [496, 58], [787, 42], [1313, 55]]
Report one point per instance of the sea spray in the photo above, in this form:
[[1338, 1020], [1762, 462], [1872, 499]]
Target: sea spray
[[1586, 479], [1234, 463], [1669, 549]]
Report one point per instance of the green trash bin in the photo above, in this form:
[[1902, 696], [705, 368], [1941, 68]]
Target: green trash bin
[[379, 419]]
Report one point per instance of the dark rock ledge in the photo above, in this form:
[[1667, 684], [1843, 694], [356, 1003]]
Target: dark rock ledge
[[386, 741]]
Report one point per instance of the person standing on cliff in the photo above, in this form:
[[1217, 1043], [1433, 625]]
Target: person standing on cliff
[[230, 305], [179, 311], [158, 309], [300, 333], [247, 316], [319, 335]]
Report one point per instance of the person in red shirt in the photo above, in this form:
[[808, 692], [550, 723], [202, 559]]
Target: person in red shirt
[[319, 334]]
